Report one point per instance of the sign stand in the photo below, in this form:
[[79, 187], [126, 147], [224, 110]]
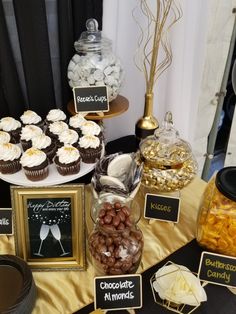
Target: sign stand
[[116, 108], [218, 269], [118, 292], [162, 206], [91, 99], [6, 221]]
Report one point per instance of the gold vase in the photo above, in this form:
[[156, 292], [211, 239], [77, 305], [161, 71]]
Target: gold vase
[[148, 123]]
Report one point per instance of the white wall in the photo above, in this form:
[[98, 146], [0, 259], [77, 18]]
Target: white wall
[[178, 88], [219, 32]]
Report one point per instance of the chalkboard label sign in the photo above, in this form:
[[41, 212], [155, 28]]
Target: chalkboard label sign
[[50, 227], [5, 221], [91, 99], [161, 207], [217, 269], [118, 292]]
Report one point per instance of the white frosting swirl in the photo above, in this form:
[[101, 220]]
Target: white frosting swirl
[[30, 117], [9, 124], [76, 121], [30, 131], [9, 151], [56, 115], [67, 154], [68, 137], [4, 137], [32, 157], [90, 128], [41, 141], [89, 141], [58, 127]]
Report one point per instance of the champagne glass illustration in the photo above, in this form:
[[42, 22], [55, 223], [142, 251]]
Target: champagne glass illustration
[[55, 230], [44, 230]]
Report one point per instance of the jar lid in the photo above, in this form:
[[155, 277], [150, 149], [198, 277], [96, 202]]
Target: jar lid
[[165, 147], [226, 182], [91, 40]]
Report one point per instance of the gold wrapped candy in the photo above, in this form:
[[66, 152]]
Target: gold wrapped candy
[[168, 161]]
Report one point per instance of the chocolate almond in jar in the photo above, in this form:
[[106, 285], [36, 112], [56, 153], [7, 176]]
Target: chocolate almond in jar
[[169, 164], [216, 228], [116, 242]]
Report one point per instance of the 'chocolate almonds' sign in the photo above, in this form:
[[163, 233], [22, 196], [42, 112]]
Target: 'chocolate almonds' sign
[[118, 292]]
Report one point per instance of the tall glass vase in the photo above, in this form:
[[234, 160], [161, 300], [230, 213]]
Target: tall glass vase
[[148, 123]]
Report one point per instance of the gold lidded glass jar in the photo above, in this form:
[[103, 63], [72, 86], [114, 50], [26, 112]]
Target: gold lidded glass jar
[[169, 164], [94, 63], [116, 242], [216, 228]]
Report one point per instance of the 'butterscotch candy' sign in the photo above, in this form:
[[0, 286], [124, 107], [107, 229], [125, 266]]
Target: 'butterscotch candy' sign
[[217, 269]]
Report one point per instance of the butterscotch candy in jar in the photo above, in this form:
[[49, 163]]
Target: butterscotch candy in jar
[[216, 229]]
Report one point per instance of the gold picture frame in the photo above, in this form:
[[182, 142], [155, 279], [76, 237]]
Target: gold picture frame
[[49, 226]]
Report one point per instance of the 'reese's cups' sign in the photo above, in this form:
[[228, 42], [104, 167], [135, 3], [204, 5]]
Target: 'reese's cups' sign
[[91, 99]]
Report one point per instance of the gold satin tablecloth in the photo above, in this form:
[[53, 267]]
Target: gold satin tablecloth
[[68, 291]]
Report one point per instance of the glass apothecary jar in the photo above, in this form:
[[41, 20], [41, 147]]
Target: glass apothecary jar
[[116, 242], [168, 161], [94, 64], [216, 228]]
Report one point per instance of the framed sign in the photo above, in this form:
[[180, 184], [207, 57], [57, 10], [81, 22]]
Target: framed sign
[[91, 99], [160, 207], [6, 221], [218, 269], [50, 226], [118, 292]]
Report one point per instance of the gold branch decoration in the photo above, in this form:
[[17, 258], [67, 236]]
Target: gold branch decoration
[[153, 40], [159, 39]]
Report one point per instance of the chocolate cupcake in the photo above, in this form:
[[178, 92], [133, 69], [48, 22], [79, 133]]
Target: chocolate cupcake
[[27, 133], [13, 127], [35, 164], [54, 129], [4, 137], [91, 128], [68, 137], [55, 115], [9, 158], [90, 148], [75, 123], [31, 117], [45, 143], [67, 160]]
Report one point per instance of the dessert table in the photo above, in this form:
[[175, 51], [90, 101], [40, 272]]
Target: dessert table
[[72, 291], [68, 291]]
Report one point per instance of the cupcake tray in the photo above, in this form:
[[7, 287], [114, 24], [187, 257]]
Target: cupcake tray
[[53, 178]]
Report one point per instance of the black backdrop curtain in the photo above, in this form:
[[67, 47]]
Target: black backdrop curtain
[[35, 89]]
